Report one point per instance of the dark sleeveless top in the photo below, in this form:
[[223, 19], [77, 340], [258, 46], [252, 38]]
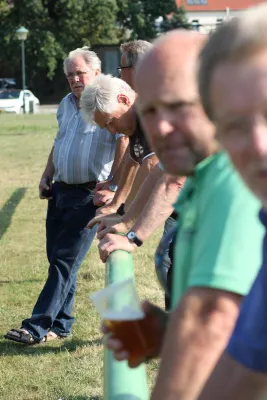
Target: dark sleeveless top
[[138, 145]]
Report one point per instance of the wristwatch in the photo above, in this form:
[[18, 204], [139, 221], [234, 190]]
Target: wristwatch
[[113, 187], [133, 238]]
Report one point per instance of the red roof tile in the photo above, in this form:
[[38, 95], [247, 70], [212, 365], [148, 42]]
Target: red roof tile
[[217, 5]]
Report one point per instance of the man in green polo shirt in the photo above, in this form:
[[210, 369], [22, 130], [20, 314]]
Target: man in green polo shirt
[[218, 244], [218, 249]]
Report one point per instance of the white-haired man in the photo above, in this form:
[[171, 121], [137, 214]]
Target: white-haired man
[[109, 102], [233, 83], [131, 53], [153, 203], [82, 154]]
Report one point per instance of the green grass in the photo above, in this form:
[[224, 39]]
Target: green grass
[[70, 369]]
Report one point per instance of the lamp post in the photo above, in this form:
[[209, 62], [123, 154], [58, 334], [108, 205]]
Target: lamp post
[[22, 35]]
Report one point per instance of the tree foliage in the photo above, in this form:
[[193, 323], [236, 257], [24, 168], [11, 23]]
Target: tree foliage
[[175, 20], [59, 26], [138, 17]]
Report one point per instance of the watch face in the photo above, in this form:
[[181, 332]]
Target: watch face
[[113, 187], [131, 235]]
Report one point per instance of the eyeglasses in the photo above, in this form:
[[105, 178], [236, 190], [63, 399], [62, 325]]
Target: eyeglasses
[[127, 66], [71, 75]]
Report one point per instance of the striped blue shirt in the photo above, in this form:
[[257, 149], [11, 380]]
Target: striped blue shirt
[[82, 152]]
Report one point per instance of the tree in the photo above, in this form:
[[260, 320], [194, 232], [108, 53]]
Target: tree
[[174, 21], [59, 26], [55, 28], [138, 18]]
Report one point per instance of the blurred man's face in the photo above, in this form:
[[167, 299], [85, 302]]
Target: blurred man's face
[[239, 101], [127, 71], [116, 121], [172, 115], [79, 74]]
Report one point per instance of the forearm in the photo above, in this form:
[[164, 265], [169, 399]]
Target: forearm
[[195, 339], [129, 171], [49, 169], [119, 158], [231, 380], [142, 173], [156, 208], [137, 206]]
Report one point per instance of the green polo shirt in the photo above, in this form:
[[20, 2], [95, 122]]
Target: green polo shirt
[[220, 237]]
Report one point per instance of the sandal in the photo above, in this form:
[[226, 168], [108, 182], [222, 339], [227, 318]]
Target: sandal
[[23, 336], [20, 336]]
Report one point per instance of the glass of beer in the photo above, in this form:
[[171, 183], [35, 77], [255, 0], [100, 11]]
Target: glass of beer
[[120, 308]]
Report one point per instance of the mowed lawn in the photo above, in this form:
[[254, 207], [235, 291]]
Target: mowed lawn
[[70, 369]]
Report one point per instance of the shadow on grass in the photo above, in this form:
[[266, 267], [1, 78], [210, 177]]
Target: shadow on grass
[[19, 282], [12, 134], [9, 208], [82, 398], [9, 348]]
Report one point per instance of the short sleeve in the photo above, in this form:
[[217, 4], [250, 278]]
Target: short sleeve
[[60, 112], [248, 344], [119, 135], [228, 237]]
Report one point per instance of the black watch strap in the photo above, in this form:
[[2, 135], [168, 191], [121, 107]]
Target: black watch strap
[[133, 238]]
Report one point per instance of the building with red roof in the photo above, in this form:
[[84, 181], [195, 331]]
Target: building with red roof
[[206, 14]]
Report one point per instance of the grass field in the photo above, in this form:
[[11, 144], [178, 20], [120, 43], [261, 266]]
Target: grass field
[[66, 370]]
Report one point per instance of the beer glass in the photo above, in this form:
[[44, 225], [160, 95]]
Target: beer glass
[[120, 308]]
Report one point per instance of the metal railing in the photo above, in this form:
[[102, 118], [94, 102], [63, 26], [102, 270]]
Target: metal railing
[[120, 381]]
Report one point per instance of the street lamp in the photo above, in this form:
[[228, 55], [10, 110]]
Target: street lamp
[[22, 35]]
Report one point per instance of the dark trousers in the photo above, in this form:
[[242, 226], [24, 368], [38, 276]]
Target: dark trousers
[[68, 241], [164, 258]]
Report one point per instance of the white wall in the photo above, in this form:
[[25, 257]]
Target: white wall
[[208, 19]]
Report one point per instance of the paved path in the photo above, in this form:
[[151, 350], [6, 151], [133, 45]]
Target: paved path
[[48, 108]]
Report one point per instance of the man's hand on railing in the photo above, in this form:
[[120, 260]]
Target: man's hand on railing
[[158, 321], [104, 221], [107, 209], [102, 186], [103, 197], [112, 225], [113, 242]]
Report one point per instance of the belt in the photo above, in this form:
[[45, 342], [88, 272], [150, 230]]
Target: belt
[[87, 185]]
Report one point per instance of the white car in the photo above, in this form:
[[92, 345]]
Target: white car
[[11, 100]]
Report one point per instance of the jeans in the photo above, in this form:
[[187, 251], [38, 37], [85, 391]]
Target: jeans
[[67, 241], [163, 262]]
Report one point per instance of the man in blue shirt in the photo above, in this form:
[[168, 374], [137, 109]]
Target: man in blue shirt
[[233, 87], [81, 156]]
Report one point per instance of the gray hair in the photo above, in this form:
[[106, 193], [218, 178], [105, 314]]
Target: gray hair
[[90, 57], [134, 50], [101, 95], [235, 40]]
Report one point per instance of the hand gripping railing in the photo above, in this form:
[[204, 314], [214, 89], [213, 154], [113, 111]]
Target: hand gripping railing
[[120, 381]]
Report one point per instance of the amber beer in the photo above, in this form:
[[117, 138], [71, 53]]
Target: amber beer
[[133, 329]]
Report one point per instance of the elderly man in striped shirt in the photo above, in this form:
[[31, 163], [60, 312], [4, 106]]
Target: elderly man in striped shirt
[[82, 155]]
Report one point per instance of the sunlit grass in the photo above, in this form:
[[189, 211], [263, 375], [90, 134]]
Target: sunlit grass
[[70, 369]]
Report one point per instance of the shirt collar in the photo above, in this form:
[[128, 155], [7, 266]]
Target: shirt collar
[[202, 165], [190, 183], [73, 99]]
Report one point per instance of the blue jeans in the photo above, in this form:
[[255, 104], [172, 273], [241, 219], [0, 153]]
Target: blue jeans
[[68, 241], [163, 262]]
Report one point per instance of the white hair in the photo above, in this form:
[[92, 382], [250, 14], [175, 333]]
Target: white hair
[[90, 57], [102, 95]]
